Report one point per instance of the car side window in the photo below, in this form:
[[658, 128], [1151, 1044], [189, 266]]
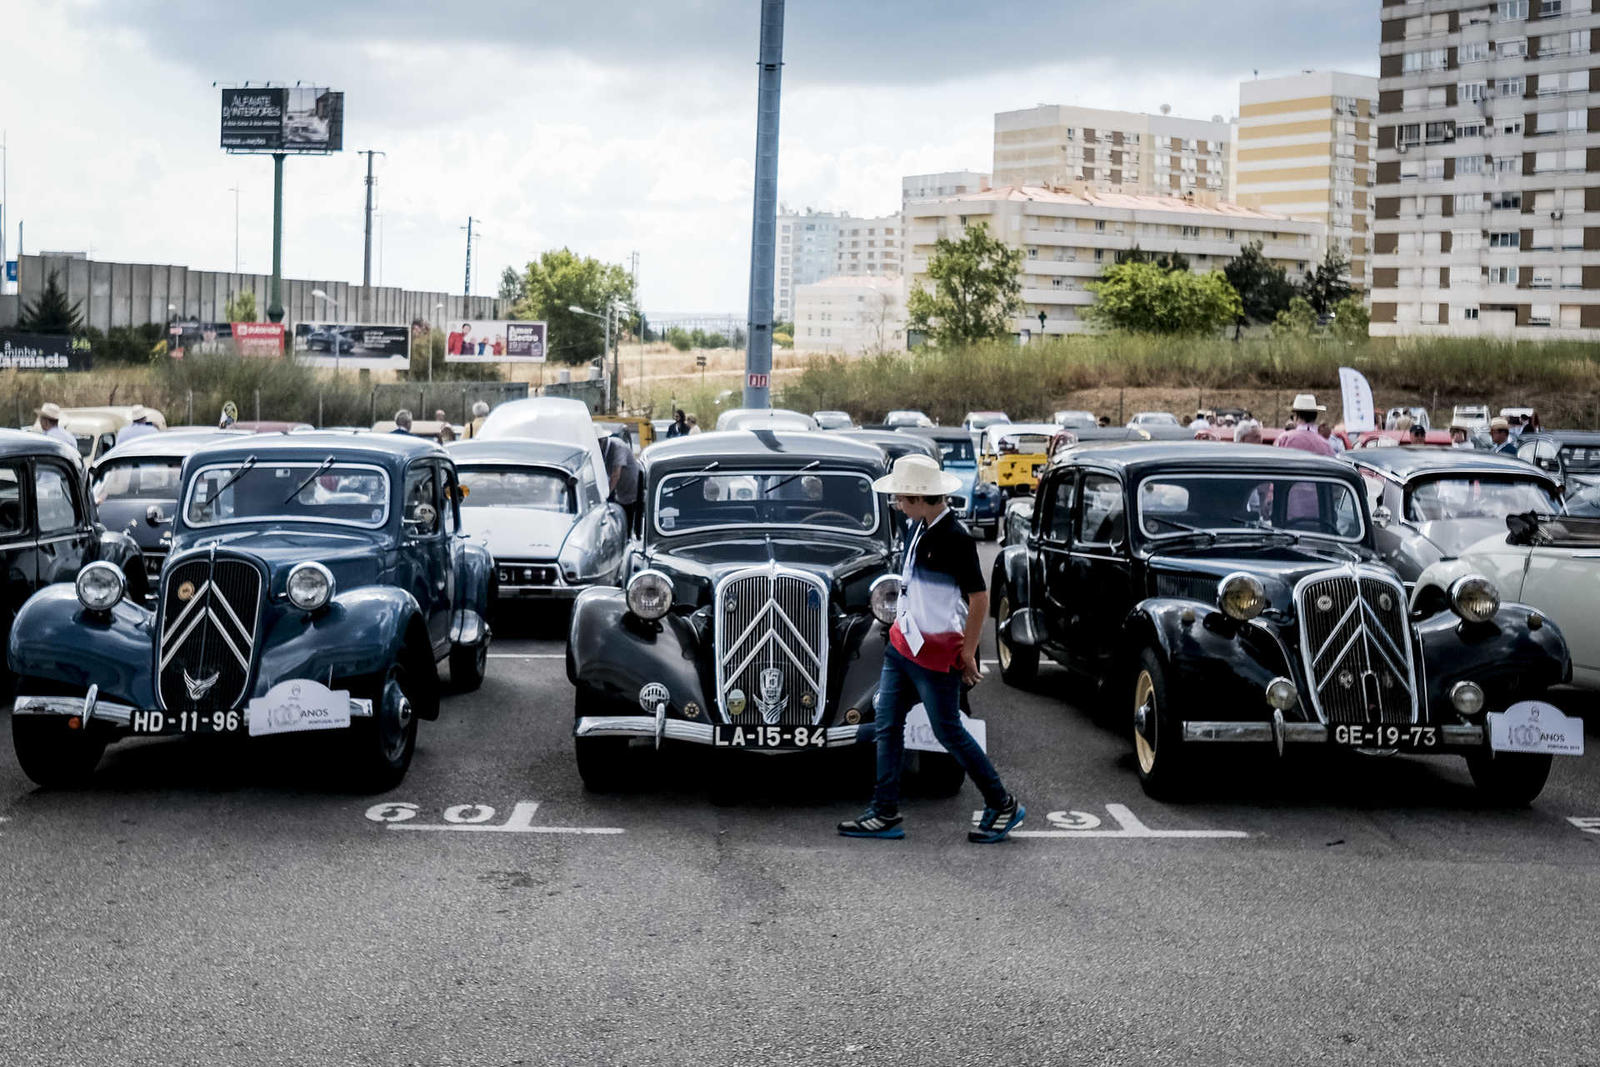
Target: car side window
[[1103, 521], [10, 501], [450, 500], [421, 507], [55, 499], [1058, 520], [589, 490]]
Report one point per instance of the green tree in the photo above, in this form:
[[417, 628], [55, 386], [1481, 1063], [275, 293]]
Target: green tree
[[1166, 261], [1299, 319], [510, 285], [1143, 298], [51, 313], [1329, 283], [560, 280], [679, 338], [975, 289], [241, 306], [1264, 289], [1350, 319]]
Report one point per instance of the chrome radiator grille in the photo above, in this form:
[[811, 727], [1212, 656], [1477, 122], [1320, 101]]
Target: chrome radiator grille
[[1357, 646], [772, 646], [210, 607]]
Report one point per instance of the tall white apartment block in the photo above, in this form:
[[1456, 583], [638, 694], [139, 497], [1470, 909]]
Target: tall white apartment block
[[1069, 238], [851, 315], [944, 183], [1487, 215], [1119, 151], [813, 245], [1304, 148]]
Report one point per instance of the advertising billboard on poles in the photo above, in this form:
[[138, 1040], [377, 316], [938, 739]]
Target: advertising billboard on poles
[[224, 339], [353, 346], [47, 352], [495, 341], [282, 120]]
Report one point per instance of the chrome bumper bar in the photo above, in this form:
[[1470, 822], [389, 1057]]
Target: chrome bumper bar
[[1462, 736], [90, 707], [539, 592], [699, 733]]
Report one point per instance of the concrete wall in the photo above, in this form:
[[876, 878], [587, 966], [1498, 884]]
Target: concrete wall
[[132, 294]]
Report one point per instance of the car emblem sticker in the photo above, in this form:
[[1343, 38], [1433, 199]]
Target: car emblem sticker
[[652, 694], [186, 591], [1324, 603], [770, 700], [199, 687]]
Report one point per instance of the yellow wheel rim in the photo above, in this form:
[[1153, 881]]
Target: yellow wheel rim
[[1003, 650], [1144, 696]]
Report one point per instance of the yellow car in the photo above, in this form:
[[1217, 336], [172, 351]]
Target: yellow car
[[1014, 454]]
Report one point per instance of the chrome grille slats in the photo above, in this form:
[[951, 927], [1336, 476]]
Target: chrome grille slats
[[1356, 643], [772, 622], [207, 640]]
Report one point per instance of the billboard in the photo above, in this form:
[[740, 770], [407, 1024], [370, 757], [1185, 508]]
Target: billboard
[[224, 339], [258, 338], [353, 345], [41, 351], [282, 120], [495, 341]]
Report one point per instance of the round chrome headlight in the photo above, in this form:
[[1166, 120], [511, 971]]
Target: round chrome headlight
[[1242, 596], [1467, 698], [885, 597], [310, 586], [650, 594], [101, 586], [1474, 598], [1282, 694]]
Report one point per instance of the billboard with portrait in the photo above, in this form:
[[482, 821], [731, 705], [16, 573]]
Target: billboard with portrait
[[282, 120], [495, 341], [353, 346]]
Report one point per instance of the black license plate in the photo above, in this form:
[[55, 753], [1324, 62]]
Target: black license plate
[[159, 723], [770, 737], [1406, 737]]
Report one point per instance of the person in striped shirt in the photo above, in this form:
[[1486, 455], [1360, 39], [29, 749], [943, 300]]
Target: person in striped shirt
[[933, 650]]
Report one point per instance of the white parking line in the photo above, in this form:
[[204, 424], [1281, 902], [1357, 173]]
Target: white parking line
[[527, 655], [474, 818], [1086, 824]]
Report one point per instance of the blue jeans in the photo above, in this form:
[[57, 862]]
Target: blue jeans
[[901, 687]]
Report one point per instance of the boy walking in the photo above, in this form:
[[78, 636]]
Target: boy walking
[[933, 649]]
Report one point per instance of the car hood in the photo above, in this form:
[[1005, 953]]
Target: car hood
[[705, 563], [1195, 573], [518, 533], [355, 559], [1450, 537]]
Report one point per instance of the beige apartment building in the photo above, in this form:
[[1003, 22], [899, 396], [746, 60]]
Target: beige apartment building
[[1487, 215], [1069, 238], [1304, 147], [1116, 151], [851, 315]]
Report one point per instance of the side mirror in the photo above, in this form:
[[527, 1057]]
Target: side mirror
[[1381, 517]]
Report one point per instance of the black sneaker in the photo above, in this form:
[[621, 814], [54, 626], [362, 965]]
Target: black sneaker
[[997, 823], [871, 824]]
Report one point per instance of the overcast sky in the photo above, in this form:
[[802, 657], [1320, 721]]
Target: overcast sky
[[603, 125]]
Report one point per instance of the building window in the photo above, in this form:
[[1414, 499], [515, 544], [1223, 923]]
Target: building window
[[1543, 278], [1511, 47], [1539, 315], [1469, 128], [1472, 52], [1099, 255], [1469, 165], [1470, 92], [1469, 313], [1501, 276], [1507, 164], [1510, 86], [1427, 59], [1033, 253], [1099, 225], [1511, 127], [1511, 10], [1506, 201], [1055, 283], [1510, 239]]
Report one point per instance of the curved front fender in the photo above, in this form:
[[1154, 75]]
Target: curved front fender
[[1507, 658], [612, 655], [54, 638], [1217, 668], [122, 551], [357, 636]]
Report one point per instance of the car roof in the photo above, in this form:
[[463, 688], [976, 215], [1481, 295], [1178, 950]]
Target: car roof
[[934, 433], [781, 447], [173, 443], [390, 449], [33, 443], [1565, 437], [1145, 456], [516, 451], [1404, 462]]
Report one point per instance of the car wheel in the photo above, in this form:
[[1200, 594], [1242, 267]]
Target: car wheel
[[52, 755], [468, 664], [602, 761], [1157, 732], [938, 774], [1018, 666], [384, 744], [1509, 779]]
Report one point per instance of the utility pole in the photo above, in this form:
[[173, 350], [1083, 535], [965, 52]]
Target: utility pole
[[366, 250], [5, 206], [466, 288], [275, 290], [633, 287], [764, 224], [235, 191]]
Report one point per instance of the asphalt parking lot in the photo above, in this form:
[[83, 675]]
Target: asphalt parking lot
[[199, 904]]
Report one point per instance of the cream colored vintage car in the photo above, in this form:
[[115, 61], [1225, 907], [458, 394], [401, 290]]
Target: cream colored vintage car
[[96, 428]]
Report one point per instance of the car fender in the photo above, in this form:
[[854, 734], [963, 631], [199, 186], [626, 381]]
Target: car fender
[[118, 548], [56, 639], [862, 648], [1510, 659], [612, 655], [1207, 654], [474, 566], [1011, 568]]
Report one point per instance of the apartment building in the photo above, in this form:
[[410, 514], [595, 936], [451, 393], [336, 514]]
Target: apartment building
[[1069, 238], [1487, 215], [813, 245], [1118, 151], [851, 315], [944, 183], [1305, 148]]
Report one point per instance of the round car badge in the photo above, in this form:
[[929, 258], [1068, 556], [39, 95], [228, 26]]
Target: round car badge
[[1324, 602], [1385, 601], [186, 591], [652, 694]]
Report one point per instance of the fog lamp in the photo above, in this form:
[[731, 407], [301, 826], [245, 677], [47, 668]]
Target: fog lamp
[[1282, 694], [853, 716], [1467, 698]]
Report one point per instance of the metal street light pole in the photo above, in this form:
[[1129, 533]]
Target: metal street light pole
[[5, 207], [764, 223], [275, 291], [235, 191], [438, 310], [336, 335], [613, 394]]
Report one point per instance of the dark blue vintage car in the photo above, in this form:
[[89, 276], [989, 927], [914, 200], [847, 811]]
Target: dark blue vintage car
[[315, 582]]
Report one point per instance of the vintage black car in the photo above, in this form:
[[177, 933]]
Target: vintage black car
[[755, 609], [314, 583], [1429, 504], [1232, 593]]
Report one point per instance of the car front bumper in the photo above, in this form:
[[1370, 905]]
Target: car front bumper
[[90, 708], [1454, 739], [697, 733]]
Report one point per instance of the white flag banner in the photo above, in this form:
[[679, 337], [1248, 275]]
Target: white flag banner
[[1358, 412]]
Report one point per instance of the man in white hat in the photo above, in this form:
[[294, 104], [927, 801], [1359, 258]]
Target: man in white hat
[[1500, 434], [138, 425], [933, 649], [1304, 436], [50, 422]]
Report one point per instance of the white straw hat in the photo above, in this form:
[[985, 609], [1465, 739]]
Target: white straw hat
[[50, 410], [917, 476], [138, 412], [1306, 402]]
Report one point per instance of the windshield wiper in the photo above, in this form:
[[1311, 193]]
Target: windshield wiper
[[313, 476], [813, 465], [691, 479], [1192, 531], [244, 468]]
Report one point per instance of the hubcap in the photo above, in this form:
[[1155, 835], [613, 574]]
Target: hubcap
[[1003, 650], [1144, 721]]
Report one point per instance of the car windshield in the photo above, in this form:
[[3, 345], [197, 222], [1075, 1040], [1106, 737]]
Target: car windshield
[[981, 420], [813, 499], [1156, 418], [137, 479], [957, 453], [1581, 458], [298, 491], [1176, 505], [538, 488], [1025, 443], [1476, 498]]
